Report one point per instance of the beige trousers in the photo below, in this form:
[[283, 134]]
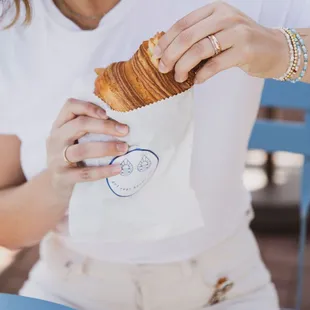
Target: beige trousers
[[228, 276]]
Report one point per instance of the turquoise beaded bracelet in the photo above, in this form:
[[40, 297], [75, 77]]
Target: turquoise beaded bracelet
[[301, 43], [297, 50]]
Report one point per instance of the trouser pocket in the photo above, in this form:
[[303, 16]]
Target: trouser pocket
[[234, 268]]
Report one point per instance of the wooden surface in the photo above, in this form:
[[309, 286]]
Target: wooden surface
[[13, 277]]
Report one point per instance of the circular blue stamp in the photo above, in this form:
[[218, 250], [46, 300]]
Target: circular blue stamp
[[138, 167]]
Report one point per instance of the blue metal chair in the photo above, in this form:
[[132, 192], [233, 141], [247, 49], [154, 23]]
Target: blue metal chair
[[294, 137], [14, 302]]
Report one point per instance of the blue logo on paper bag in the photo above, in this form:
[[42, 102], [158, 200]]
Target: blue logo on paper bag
[[138, 166], [144, 164], [127, 167]]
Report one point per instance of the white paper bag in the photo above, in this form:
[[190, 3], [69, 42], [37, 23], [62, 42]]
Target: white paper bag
[[151, 199]]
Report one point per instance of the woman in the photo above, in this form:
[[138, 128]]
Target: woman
[[217, 267]]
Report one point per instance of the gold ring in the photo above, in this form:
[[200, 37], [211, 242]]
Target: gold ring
[[216, 44], [64, 154]]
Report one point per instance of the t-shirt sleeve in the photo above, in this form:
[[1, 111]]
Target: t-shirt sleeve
[[8, 125], [285, 13], [299, 14], [8, 112]]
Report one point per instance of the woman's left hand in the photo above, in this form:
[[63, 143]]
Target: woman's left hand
[[259, 51]]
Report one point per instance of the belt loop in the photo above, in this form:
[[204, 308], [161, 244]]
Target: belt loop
[[85, 265], [77, 266], [209, 275], [186, 268]]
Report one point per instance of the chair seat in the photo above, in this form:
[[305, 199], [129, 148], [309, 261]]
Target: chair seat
[[14, 302]]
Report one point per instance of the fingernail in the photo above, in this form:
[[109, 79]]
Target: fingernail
[[179, 78], [157, 51], [122, 128], [116, 169], [122, 147], [197, 81], [162, 68], [102, 114]]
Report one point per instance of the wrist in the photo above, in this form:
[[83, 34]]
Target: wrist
[[62, 191], [298, 53], [281, 54]]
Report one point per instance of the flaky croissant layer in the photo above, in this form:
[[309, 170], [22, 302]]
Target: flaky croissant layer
[[135, 83]]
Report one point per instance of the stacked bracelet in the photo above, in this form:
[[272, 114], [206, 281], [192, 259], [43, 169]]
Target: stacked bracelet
[[304, 52], [292, 52], [297, 55], [297, 50]]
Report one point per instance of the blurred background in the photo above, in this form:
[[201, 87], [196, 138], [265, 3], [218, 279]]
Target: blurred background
[[274, 180]]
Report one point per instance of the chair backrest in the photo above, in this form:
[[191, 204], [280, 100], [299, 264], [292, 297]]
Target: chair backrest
[[271, 136]]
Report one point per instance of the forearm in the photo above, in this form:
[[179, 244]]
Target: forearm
[[29, 211]]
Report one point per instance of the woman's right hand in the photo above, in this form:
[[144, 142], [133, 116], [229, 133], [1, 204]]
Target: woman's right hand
[[76, 119]]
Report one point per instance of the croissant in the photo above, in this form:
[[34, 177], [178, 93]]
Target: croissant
[[128, 85]]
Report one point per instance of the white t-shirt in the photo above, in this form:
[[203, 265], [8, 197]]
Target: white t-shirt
[[39, 64]]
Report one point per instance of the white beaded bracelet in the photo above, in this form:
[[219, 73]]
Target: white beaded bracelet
[[292, 56]]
